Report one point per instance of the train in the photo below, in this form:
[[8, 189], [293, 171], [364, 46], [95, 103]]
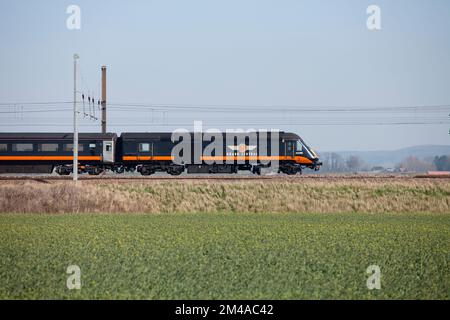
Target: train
[[151, 152]]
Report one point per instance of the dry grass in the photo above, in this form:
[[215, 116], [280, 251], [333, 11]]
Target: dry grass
[[189, 196]]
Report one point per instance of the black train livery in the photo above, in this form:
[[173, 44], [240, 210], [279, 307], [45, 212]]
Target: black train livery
[[148, 153]]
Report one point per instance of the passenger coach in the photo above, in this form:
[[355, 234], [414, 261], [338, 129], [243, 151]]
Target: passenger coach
[[45, 152]]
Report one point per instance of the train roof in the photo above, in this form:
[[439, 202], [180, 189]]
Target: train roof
[[55, 136], [289, 135], [145, 135], [167, 135], [96, 136]]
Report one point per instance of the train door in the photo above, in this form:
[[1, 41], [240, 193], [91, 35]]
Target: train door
[[108, 151], [290, 148]]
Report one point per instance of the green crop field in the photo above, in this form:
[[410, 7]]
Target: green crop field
[[225, 256]]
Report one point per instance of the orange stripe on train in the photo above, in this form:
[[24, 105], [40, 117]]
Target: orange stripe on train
[[42, 158], [298, 159], [146, 158]]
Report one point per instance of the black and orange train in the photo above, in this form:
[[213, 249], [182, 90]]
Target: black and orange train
[[146, 153]]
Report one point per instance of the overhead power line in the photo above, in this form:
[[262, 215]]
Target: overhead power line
[[255, 108], [11, 104], [233, 123], [223, 115], [218, 107], [35, 111]]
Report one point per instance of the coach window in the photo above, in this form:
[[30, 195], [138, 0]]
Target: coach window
[[3, 147], [22, 147], [144, 147], [47, 147], [69, 147]]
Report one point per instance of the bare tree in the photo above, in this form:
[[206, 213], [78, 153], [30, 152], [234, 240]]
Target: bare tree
[[332, 162], [337, 163], [354, 163], [413, 164], [442, 163]]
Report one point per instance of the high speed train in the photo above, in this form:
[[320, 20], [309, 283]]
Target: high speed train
[[150, 152]]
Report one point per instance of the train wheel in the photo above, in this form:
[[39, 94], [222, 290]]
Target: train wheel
[[145, 171], [175, 170], [256, 170], [95, 171], [63, 171], [119, 170]]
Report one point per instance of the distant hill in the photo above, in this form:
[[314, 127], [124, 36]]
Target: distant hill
[[392, 157]]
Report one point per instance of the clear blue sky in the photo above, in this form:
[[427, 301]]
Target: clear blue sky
[[248, 52]]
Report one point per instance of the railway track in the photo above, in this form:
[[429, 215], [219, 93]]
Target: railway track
[[44, 178]]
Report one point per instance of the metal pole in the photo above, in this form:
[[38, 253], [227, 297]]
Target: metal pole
[[103, 99], [75, 120]]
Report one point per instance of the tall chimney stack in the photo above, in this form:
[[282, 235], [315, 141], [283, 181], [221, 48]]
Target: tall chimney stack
[[103, 99]]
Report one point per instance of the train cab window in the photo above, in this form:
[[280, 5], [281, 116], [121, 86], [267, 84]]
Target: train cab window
[[289, 146], [3, 147], [22, 147], [69, 147], [144, 147], [47, 147], [299, 146]]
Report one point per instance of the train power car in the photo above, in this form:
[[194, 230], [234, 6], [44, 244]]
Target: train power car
[[46, 152], [152, 152]]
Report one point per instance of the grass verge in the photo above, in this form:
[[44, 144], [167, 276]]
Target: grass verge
[[334, 195]]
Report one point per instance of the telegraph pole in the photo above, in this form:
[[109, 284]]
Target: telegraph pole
[[103, 99], [75, 120]]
